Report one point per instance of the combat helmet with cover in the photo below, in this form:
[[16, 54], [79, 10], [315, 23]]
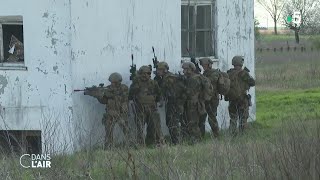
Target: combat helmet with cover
[[115, 77], [223, 82], [237, 85], [188, 65], [163, 65], [237, 61], [206, 60], [144, 69]]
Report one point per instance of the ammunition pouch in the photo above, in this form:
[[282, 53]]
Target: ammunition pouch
[[145, 100]]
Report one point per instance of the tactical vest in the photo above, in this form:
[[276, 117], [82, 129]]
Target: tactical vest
[[146, 93], [117, 99], [238, 86]]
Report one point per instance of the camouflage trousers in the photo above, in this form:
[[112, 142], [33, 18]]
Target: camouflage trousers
[[211, 112], [146, 114], [109, 122], [238, 111], [173, 117], [190, 123]]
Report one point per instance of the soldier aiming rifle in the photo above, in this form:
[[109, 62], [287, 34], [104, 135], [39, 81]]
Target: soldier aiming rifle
[[91, 90]]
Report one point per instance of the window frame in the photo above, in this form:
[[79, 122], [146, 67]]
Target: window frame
[[213, 29], [10, 20]]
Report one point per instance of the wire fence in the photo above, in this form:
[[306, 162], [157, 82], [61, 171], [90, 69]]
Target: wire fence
[[287, 49]]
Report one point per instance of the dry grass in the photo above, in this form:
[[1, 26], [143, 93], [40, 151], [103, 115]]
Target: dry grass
[[287, 70], [291, 153]]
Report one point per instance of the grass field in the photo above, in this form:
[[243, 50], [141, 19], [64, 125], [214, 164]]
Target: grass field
[[277, 41], [283, 143]]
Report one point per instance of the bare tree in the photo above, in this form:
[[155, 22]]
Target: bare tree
[[309, 10], [274, 8]]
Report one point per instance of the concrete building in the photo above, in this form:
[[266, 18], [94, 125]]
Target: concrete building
[[57, 46]]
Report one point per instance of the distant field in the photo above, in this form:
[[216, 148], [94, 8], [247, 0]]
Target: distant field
[[287, 70], [276, 41]]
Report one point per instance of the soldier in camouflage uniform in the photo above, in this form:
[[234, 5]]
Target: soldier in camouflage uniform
[[172, 89], [212, 104], [196, 93], [239, 101], [145, 94], [115, 97]]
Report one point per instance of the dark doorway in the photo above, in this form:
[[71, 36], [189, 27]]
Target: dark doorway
[[20, 141]]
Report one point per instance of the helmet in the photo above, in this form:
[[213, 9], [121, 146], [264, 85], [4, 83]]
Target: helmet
[[163, 65], [204, 61], [237, 61], [115, 77], [188, 65], [145, 69]]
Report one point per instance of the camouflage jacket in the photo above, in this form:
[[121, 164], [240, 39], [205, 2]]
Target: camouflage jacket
[[115, 98], [172, 88], [198, 88], [244, 79], [213, 76], [144, 92]]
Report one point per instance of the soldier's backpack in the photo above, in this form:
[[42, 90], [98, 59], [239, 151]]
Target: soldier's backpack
[[207, 89], [223, 83], [236, 86]]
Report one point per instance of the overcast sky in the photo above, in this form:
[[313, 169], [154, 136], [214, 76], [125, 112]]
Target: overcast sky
[[263, 16]]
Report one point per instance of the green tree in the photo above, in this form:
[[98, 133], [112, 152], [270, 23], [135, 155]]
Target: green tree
[[310, 16], [274, 8]]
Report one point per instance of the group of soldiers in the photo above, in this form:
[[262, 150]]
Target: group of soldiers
[[188, 100]]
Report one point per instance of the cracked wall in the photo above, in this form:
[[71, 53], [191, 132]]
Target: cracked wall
[[33, 98], [235, 36], [104, 35], [72, 44]]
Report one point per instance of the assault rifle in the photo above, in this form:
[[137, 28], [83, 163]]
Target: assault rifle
[[133, 69], [155, 63], [90, 90], [193, 60], [154, 60], [248, 96]]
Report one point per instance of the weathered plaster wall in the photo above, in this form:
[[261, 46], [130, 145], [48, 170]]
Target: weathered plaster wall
[[38, 98], [72, 44], [235, 36], [104, 34]]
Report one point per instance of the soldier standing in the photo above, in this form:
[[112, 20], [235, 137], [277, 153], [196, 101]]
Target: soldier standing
[[145, 94], [115, 97], [239, 100], [212, 104], [172, 89], [197, 90]]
